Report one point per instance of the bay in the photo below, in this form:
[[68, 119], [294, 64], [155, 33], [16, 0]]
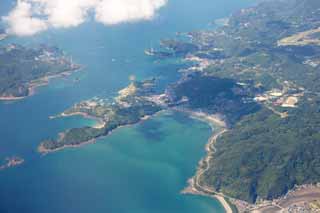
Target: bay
[[137, 169]]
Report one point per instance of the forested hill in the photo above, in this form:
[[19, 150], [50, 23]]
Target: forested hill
[[270, 151], [274, 49], [22, 68]]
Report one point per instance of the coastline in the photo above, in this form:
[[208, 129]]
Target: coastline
[[194, 185], [100, 122], [44, 151], [295, 198], [219, 127], [43, 81]]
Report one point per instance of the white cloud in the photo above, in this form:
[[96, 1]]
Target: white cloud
[[117, 11], [64, 13], [21, 22], [33, 16]]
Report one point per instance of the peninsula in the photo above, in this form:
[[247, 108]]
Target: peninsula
[[133, 104], [24, 69]]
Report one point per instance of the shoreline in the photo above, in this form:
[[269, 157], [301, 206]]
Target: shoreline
[[194, 183], [295, 197], [194, 186], [99, 125], [43, 81], [44, 151]]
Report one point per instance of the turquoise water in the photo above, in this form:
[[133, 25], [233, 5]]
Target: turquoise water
[[137, 169], [133, 170]]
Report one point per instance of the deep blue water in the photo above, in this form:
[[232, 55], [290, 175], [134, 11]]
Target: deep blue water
[[137, 169]]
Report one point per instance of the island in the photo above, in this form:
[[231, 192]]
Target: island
[[24, 69], [11, 162], [134, 103]]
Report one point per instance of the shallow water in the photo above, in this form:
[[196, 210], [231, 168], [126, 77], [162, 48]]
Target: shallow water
[[133, 170]]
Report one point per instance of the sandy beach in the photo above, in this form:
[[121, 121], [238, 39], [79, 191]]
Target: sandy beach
[[99, 125]]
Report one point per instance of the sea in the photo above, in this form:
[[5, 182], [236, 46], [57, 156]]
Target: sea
[[138, 169]]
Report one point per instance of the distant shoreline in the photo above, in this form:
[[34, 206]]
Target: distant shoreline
[[43, 81]]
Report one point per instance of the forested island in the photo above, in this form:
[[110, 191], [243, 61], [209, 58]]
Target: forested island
[[24, 69]]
